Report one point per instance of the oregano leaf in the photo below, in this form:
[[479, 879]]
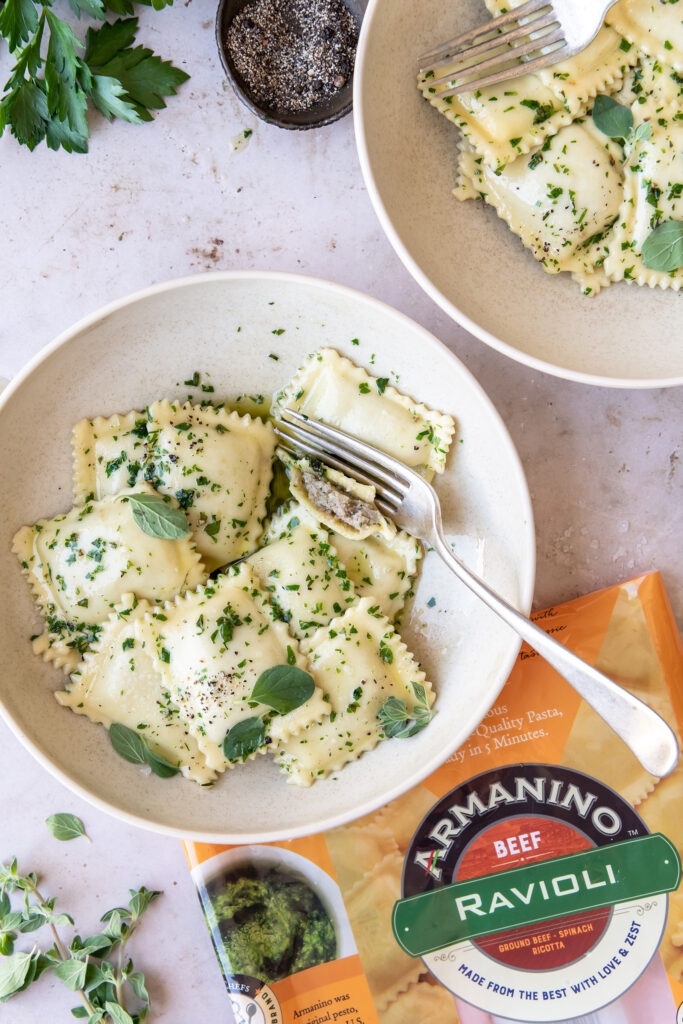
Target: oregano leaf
[[65, 827], [117, 1013], [160, 766], [128, 744], [611, 118], [244, 738], [642, 132], [157, 518], [663, 248], [72, 973], [283, 688]]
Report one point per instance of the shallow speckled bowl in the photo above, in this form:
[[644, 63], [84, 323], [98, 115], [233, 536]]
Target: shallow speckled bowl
[[138, 349], [463, 256], [327, 112]]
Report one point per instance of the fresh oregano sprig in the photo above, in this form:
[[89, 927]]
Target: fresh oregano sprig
[[397, 722], [616, 121], [282, 688], [103, 985]]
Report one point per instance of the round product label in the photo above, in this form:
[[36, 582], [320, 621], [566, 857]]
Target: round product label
[[535, 893], [252, 1001]]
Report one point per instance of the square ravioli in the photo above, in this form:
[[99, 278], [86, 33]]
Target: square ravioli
[[211, 647], [561, 202], [108, 455], [654, 26], [597, 68], [653, 195], [358, 662], [81, 563], [303, 578], [500, 123], [217, 465], [331, 388], [119, 682], [380, 568]]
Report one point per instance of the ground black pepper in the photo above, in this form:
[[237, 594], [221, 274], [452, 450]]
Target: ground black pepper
[[293, 54]]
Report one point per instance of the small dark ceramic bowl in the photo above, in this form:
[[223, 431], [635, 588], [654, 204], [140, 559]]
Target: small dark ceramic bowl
[[329, 110]]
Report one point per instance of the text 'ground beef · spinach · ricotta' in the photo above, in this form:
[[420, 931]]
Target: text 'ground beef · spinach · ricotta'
[[271, 923]]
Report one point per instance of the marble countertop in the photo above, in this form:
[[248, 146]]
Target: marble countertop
[[173, 198]]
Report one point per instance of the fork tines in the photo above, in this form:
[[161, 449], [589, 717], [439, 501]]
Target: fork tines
[[301, 434], [525, 35]]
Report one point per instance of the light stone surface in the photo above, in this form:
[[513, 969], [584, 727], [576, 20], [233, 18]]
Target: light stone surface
[[172, 198]]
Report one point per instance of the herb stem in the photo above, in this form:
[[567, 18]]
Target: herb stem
[[61, 949], [118, 984]]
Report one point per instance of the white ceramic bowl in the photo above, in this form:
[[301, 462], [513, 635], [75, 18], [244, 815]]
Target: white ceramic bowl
[[138, 349], [462, 254]]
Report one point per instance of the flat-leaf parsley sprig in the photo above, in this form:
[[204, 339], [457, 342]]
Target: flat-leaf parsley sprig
[[50, 85], [93, 968]]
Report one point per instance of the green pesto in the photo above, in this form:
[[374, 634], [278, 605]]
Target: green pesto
[[271, 923]]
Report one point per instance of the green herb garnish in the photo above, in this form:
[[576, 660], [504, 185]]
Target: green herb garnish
[[663, 247], [157, 518], [130, 745], [244, 738], [397, 722], [282, 688], [611, 118]]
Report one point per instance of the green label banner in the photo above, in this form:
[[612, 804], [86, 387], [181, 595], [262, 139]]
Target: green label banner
[[617, 873]]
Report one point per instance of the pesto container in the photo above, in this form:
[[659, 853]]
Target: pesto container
[[272, 914]]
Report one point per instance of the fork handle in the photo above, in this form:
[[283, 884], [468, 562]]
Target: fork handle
[[642, 729]]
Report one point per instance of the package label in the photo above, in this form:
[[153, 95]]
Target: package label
[[524, 870]]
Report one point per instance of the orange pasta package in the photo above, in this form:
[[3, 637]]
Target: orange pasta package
[[534, 877]]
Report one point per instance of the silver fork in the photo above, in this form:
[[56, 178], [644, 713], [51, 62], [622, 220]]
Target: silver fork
[[524, 39], [413, 504]]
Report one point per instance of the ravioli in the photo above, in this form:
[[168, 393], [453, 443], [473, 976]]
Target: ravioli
[[303, 578], [108, 454], [653, 194], [117, 681], [591, 220], [562, 201], [331, 388], [218, 465], [358, 662], [334, 499], [654, 26], [81, 563], [210, 647], [502, 121], [381, 569]]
